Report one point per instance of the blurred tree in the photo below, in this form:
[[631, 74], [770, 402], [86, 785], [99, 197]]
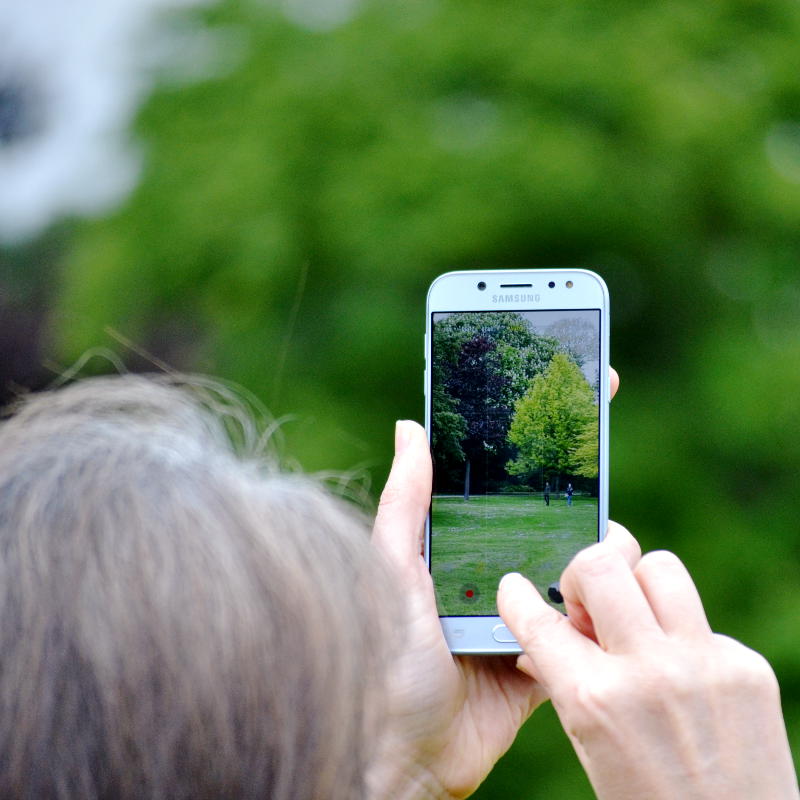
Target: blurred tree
[[577, 337]]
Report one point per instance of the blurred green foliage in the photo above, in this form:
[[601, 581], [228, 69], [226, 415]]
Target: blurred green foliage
[[294, 209]]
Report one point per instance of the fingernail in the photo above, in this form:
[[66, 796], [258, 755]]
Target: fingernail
[[402, 436], [509, 577]]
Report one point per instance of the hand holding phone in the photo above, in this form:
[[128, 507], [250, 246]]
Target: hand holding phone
[[446, 719]]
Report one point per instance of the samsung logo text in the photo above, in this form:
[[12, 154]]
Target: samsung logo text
[[516, 298]]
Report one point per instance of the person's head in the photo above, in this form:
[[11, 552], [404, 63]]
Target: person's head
[[175, 621]]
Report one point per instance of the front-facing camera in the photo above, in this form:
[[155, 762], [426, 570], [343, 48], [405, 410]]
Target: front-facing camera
[[481, 285]]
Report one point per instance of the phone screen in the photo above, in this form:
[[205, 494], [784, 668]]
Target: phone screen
[[515, 440]]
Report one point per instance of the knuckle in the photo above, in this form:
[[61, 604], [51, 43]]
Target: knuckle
[[595, 561], [746, 671], [660, 564], [757, 674]]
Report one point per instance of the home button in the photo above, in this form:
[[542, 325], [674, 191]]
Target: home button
[[501, 633]]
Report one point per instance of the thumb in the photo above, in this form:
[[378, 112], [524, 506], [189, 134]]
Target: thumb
[[550, 642], [406, 498]]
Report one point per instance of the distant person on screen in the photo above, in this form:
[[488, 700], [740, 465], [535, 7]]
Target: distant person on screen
[[569, 494], [547, 493], [181, 619]]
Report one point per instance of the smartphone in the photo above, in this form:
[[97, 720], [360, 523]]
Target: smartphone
[[517, 398]]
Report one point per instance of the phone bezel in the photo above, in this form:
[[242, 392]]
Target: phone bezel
[[458, 291]]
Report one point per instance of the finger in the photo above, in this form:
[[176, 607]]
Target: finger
[[554, 650], [601, 580], [614, 375], [623, 542], [406, 498], [672, 595], [618, 539]]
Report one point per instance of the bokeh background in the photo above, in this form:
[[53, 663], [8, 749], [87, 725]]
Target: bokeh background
[[263, 190]]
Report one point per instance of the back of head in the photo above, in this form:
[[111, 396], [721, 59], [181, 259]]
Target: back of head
[[176, 622]]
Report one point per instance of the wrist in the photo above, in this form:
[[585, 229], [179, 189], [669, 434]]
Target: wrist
[[393, 776]]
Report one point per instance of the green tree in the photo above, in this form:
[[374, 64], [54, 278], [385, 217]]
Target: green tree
[[521, 353], [551, 421], [449, 427], [587, 450]]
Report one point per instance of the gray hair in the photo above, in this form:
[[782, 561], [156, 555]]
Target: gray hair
[[176, 622]]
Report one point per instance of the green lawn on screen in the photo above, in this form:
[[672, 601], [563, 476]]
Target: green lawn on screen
[[475, 542]]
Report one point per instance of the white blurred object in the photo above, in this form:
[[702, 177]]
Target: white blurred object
[[72, 76], [464, 122], [320, 16]]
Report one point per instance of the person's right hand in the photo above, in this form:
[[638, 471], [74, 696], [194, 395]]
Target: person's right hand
[[655, 704]]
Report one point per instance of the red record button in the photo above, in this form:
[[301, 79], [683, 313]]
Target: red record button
[[470, 593]]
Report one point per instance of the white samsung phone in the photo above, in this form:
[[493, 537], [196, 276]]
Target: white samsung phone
[[517, 396]]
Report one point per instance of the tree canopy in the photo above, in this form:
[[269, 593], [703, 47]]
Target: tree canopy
[[552, 424]]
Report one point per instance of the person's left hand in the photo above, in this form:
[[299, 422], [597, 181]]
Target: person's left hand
[[450, 718]]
